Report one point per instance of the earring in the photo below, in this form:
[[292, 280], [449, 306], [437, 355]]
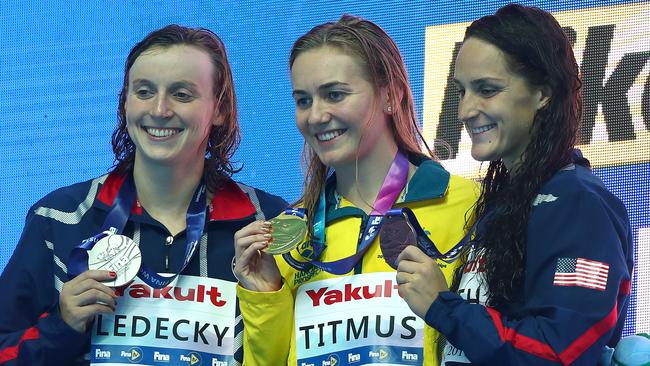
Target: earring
[[389, 109]]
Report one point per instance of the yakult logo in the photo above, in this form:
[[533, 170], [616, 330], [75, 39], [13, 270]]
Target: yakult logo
[[351, 293], [198, 294]]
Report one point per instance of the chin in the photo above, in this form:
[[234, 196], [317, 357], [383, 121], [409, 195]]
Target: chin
[[333, 159], [483, 156]]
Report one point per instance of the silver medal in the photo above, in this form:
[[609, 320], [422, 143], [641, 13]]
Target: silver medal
[[117, 253]]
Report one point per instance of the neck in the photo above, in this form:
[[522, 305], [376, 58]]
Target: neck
[[361, 189], [166, 191]]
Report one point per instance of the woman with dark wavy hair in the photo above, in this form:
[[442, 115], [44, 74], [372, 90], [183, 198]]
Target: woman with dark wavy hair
[[547, 276], [167, 212]]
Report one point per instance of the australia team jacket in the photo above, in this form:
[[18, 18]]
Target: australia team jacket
[[568, 312], [439, 200], [31, 329]]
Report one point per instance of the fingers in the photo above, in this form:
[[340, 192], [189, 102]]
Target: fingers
[[255, 227], [84, 296], [403, 277], [94, 296], [94, 274], [79, 285], [414, 254], [250, 253], [408, 266], [257, 231]]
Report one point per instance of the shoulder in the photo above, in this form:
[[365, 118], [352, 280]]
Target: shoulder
[[575, 187], [69, 198], [268, 204], [463, 186]]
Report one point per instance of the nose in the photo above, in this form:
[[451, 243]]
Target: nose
[[467, 107], [161, 108], [318, 113]]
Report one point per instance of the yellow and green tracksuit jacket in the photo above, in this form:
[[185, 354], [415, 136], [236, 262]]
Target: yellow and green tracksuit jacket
[[441, 202]]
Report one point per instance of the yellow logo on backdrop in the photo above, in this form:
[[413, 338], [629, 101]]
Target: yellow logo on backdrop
[[615, 128]]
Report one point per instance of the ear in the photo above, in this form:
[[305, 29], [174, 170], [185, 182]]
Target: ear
[[388, 100], [545, 97], [218, 118]]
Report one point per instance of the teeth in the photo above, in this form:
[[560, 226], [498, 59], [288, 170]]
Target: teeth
[[161, 132], [326, 136], [483, 128]]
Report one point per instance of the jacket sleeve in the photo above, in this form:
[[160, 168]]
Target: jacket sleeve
[[268, 325], [31, 329], [558, 322]]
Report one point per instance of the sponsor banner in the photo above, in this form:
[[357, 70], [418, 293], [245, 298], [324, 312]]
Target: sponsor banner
[[384, 355], [612, 47], [192, 315], [128, 355], [362, 312]]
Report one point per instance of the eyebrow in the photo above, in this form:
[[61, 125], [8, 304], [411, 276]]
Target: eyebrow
[[481, 81], [325, 86], [174, 84]]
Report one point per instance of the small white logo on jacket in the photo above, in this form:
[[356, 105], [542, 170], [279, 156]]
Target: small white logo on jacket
[[541, 198]]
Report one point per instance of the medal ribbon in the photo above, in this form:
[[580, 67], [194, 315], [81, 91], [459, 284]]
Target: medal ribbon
[[424, 243], [116, 221], [394, 182]]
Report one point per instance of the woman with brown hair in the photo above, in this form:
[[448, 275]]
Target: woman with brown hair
[[166, 212], [334, 297]]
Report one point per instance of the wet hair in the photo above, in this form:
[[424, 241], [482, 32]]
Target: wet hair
[[535, 48], [382, 62], [223, 139]]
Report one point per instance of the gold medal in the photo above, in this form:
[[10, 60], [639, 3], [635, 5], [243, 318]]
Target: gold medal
[[289, 231]]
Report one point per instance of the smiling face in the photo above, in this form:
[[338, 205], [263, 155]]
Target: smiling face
[[170, 105], [496, 105], [336, 105]]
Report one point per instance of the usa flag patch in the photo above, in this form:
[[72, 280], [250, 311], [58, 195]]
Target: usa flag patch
[[581, 272]]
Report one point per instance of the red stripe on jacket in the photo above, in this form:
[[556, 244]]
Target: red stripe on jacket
[[543, 350], [11, 352]]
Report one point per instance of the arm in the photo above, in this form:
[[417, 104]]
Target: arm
[[268, 325], [32, 331], [555, 324], [266, 304]]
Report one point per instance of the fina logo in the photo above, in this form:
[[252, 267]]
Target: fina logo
[[191, 358], [382, 354], [407, 356], [354, 357], [332, 360], [99, 354], [133, 355]]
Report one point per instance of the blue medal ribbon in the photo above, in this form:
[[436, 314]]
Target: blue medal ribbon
[[427, 245], [116, 221]]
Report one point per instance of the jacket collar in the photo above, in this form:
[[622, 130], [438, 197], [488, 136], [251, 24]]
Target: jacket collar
[[229, 203], [430, 181]]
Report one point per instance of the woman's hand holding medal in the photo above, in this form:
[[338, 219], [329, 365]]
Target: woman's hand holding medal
[[255, 269], [85, 296], [420, 279]]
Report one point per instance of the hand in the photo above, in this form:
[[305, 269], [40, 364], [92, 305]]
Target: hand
[[420, 279], [255, 269], [84, 296]]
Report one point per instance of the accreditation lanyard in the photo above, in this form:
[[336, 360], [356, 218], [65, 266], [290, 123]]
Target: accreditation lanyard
[[392, 186], [116, 220]]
